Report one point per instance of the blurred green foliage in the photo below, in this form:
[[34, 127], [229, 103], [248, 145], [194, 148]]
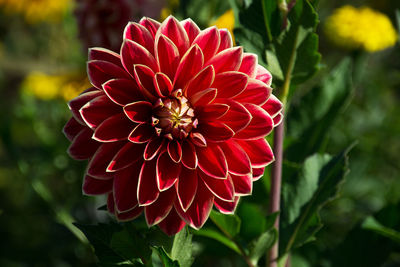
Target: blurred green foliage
[[40, 186]]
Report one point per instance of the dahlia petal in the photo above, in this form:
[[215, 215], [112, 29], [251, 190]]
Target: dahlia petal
[[72, 128], [259, 152], [92, 186], [208, 40], [99, 53], [139, 34], [129, 215], [227, 60], [126, 182], [226, 40], [110, 203], [213, 111], [200, 209], [175, 151], [192, 30], [141, 134], [216, 131], [144, 77], [147, 191], [204, 98], [190, 64], [189, 157], [133, 53], [150, 24], [162, 84], [139, 112], [243, 184], [273, 106], [260, 125], [126, 156], [263, 75], [278, 119], [198, 139], [157, 211], [153, 147], [172, 224], [98, 110], [78, 102], [221, 188], [83, 146], [230, 83], [100, 71], [98, 164], [167, 56], [122, 91], [249, 64], [226, 207], [167, 172], [115, 128], [212, 161], [256, 92], [174, 31], [200, 82], [258, 173], [186, 187], [237, 159], [237, 117]]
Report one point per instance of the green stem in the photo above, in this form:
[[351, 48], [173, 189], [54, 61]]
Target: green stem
[[241, 249]]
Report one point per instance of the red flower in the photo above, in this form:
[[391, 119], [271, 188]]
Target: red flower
[[174, 124]]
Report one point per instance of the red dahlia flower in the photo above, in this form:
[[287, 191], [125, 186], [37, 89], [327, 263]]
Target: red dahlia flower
[[174, 124]]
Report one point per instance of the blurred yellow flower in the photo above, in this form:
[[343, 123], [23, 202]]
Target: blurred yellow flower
[[48, 87], [226, 20], [360, 28], [37, 10]]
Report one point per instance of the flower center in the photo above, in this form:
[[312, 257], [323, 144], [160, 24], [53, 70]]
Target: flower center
[[173, 117]]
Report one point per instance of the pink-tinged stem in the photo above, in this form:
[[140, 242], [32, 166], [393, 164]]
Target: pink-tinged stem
[[275, 194]]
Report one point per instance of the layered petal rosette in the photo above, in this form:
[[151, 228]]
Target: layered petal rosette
[[173, 125]]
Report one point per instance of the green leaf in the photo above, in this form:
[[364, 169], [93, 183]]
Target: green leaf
[[211, 233], [182, 248], [165, 258], [262, 244], [270, 220], [310, 118], [372, 224], [317, 183], [115, 245], [229, 224]]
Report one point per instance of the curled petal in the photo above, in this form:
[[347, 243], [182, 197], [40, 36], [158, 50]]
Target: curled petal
[[175, 151], [157, 211], [200, 82], [99, 53], [139, 112], [115, 128], [100, 71], [258, 173], [72, 128], [129, 215], [133, 53], [208, 40], [122, 91], [256, 92], [167, 56], [227, 60], [237, 117], [213, 111], [212, 161], [186, 187], [174, 31], [249, 64], [230, 83], [83, 146], [216, 131], [189, 157], [237, 159], [273, 106], [226, 207], [92, 186], [147, 191], [243, 184], [162, 84], [278, 119], [150, 24], [263, 75], [98, 110], [189, 66], [97, 166], [126, 182], [226, 40], [144, 77], [172, 224], [167, 172], [192, 30], [198, 139], [153, 147], [139, 34], [142, 133], [221, 188], [259, 152], [260, 125], [204, 98], [126, 156], [78, 102]]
